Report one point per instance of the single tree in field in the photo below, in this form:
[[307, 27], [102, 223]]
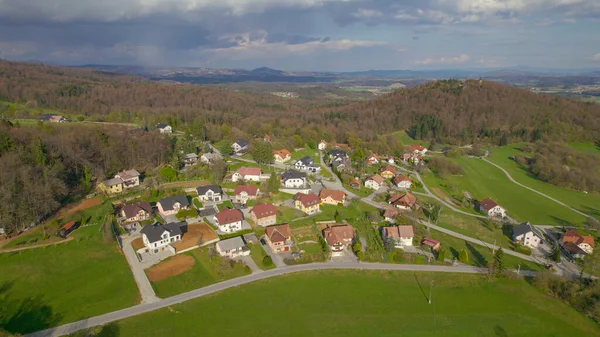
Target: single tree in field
[[498, 264], [463, 256], [273, 184]]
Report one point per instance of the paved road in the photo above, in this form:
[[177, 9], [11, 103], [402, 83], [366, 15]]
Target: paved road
[[147, 307], [146, 291], [535, 191]]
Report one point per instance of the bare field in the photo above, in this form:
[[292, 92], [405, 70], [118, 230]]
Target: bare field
[[174, 266]]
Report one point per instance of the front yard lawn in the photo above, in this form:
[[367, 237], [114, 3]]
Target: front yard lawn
[[225, 204], [258, 254], [187, 213]]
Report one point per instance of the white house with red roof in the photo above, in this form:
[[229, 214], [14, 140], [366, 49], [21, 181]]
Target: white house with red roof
[[403, 181], [372, 159], [322, 145], [491, 208], [402, 236], [246, 174], [374, 182], [243, 193], [229, 220], [417, 149]]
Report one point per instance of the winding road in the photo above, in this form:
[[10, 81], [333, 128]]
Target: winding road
[[536, 191], [163, 303]]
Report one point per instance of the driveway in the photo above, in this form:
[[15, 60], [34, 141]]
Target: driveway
[[250, 263], [170, 218], [146, 291], [277, 258]]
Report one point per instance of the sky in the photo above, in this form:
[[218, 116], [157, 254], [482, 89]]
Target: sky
[[311, 35]]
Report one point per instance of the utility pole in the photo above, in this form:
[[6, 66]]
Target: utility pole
[[430, 291]]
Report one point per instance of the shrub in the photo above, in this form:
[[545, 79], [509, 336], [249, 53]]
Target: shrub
[[267, 261], [441, 255], [398, 257], [360, 255], [357, 247], [419, 259], [463, 256]]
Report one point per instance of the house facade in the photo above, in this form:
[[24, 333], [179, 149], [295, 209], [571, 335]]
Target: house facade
[[527, 235], [491, 208], [229, 220], [239, 146], [138, 211], [293, 179], [307, 164], [374, 182], [390, 214], [307, 203], [159, 237], [281, 156], [210, 158], [212, 193], [111, 186], [264, 214], [403, 201], [332, 197], [322, 145], [387, 172], [243, 193], [190, 159], [417, 150], [583, 242], [403, 181], [279, 238], [338, 238], [130, 178], [172, 205], [372, 159], [247, 174], [402, 236], [164, 128], [232, 248]]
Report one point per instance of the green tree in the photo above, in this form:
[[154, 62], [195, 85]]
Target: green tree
[[262, 152], [360, 255], [168, 174], [273, 183], [298, 142], [389, 245], [357, 247], [463, 256], [267, 261], [498, 264], [39, 152], [86, 179], [556, 254], [225, 148], [441, 255]]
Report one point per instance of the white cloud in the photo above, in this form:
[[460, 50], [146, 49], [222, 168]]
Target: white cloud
[[367, 13], [462, 58], [596, 57]]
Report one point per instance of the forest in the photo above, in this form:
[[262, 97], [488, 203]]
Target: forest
[[43, 166]]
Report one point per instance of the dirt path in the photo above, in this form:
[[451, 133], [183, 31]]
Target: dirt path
[[10, 250], [79, 206]]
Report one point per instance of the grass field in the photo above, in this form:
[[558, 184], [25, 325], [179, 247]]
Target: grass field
[[586, 147], [205, 271], [587, 203], [405, 138], [474, 227], [368, 304], [54, 285], [34, 237], [483, 180], [314, 154]]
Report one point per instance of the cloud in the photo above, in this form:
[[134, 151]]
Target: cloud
[[462, 58], [596, 57]]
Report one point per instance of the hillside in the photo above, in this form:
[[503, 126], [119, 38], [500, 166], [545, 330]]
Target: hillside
[[448, 111]]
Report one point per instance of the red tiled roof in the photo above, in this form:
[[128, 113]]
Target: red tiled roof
[[338, 233], [400, 178], [263, 210], [283, 153], [249, 171], [488, 204], [572, 236], [334, 194], [430, 242], [377, 178], [405, 199], [387, 168], [397, 232], [228, 216], [414, 147], [391, 212], [354, 182], [132, 210], [250, 189], [279, 233], [373, 156], [67, 226], [307, 200]]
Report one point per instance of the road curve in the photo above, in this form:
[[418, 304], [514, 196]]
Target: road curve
[[147, 307], [533, 190]]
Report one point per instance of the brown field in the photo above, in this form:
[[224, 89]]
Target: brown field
[[174, 266], [80, 206], [444, 197], [137, 244], [195, 232]]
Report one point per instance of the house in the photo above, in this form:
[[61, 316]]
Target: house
[[267, 138], [332, 197], [172, 205], [527, 235], [307, 203], [279, 238], [411, 158], [138, 211], [293, 179], [243, 193], [307, 164], [67, 228], [264, 214], [338, 238], [374, 182], [164, 128], [387, 172], [391, 160], [53, 118], [372, 159], [281, 156], [232, 248], [431, 243], [404, 201], [246, 174], [390, 214], [416, 149], [111, 186], [337, 157], [190, 159], [239, 146], [229, 220], [402, 236], [209, 158], [322, 145], [491, 208], [210, 193], [158, 237], [354, 183], [403, 181], [131, 178], [584, 242]]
